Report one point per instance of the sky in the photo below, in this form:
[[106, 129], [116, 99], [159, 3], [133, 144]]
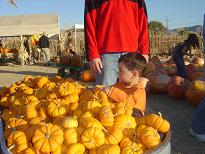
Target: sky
[[172, 13]]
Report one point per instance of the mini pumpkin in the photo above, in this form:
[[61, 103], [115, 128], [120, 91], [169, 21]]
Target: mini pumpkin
[[106, 116], [92, 138], [70, 136], [109, 149], [90, 121], [150, 137], [76, 148], [17, 142], [50, 86], [158, 122], [113, 135], [70, 122], [123, 108], [15, 124], [92, 106], [134, 148], [47, 138], [58, 107], [41, 81], [124, 121], [66, 88]]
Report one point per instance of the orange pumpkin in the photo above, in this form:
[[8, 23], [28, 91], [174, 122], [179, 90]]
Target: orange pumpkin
[[177, 87], [197, 61], [194, 97], [190, 69], [6, 50], [195, 75], [87, 76], [159, 83]]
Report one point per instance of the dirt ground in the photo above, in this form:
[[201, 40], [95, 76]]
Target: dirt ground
[[178, 112]]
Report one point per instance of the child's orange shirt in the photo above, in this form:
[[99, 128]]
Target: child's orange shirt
[[135, 95]]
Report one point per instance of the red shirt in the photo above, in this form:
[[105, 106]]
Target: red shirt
[[116, 26]]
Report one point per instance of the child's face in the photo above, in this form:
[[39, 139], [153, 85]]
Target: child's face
[[124, 75]]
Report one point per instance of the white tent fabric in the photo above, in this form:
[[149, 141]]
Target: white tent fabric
[[79, 26], [76, 27], [29, 25]]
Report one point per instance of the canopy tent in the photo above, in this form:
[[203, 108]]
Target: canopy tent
[[76, 27], [29, 25]]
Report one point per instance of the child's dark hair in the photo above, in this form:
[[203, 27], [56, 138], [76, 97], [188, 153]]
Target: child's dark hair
[[192, 41], [134, 61]]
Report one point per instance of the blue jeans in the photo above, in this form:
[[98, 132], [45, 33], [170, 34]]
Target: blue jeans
[[109, 73], [179, 61], [198, 122]]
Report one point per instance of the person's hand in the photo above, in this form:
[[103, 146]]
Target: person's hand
[[96, 65], [146, 57]]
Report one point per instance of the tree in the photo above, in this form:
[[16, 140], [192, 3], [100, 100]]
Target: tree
[[156, 27]]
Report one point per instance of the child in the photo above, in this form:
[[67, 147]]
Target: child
[[180, 50], [129, 88]]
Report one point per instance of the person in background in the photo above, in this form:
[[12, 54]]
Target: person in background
[[180, 50], [129, 88], [44, 45], [198, 123], [108, 35]]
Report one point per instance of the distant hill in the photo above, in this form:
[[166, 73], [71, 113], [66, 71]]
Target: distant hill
[[195, 29]]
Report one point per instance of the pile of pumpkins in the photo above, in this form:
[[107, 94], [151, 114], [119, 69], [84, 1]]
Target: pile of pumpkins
[[44, 115], [163, 79], [7, 50]]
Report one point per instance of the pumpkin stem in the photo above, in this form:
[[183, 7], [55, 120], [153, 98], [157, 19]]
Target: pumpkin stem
[[11, 147], [160, 114], [103, 128]]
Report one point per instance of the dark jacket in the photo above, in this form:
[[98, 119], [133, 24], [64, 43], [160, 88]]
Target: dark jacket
[[116, 26], [44, 42]]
